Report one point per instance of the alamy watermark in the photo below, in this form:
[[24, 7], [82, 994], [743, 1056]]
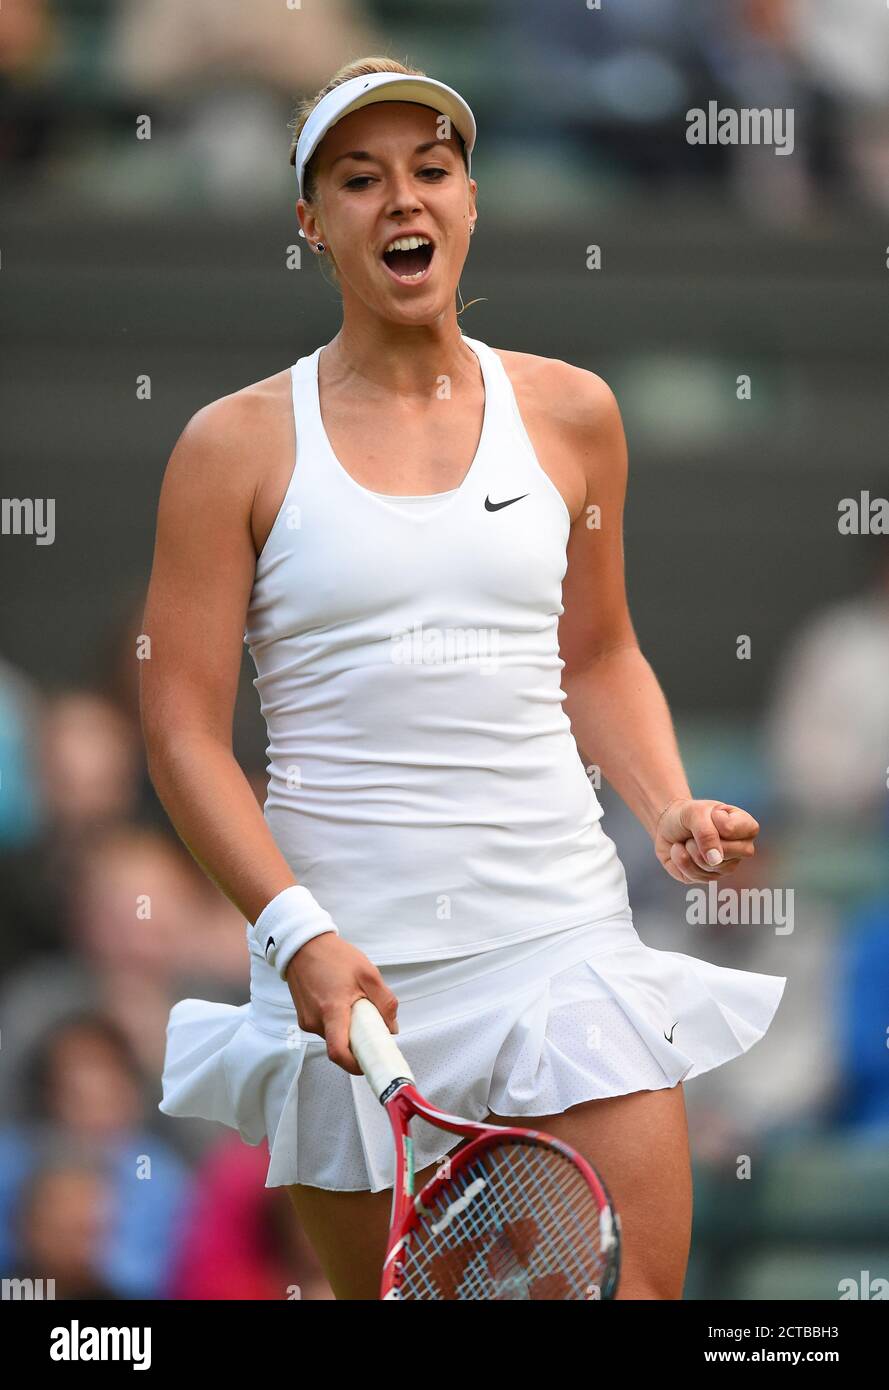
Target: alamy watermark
[[863, 515], [78, 1342], [744, 125], [27, 1290], [711, 906], [439, 646], [29, 516]]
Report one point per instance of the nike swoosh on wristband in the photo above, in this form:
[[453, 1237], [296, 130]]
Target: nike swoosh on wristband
[[670, 1038], [270, 942], [497, 506]]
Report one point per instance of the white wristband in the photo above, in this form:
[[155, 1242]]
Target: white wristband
[[287, 923]]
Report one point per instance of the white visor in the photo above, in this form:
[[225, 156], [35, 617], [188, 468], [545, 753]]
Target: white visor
[[382, 86]]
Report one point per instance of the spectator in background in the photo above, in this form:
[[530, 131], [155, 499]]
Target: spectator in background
[[89, 765], [29, 50], [82, 773], [843, 50], [826, 740], [19, 800], [161, 45], [614, 82], [86, 1092], [141, 927], [749, 50], [827, 732], [862, 1100], [228, 72], [62, 1226], [240, 1239]]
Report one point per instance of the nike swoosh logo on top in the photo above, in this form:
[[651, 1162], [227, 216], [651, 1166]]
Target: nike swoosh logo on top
[[670, 1039], [270, 942], [496, 506]]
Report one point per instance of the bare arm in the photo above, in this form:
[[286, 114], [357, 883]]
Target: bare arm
[[201, 579], [618, 712], [617, 709], [203, 569]]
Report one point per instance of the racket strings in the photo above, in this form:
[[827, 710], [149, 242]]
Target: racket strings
[[519, 1221], [510, 1229]]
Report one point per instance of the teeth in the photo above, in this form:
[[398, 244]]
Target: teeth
[[408, 243]]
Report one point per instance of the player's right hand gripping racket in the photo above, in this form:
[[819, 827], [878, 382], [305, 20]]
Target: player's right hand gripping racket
[[513, 1214]]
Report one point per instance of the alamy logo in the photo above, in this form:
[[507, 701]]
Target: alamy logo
[[745, 126], [76, 1343], [734, 907]]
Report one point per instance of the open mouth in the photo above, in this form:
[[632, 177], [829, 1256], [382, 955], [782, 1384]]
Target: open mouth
[[409, 258]]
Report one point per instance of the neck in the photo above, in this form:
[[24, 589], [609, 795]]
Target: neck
[[401, 358]]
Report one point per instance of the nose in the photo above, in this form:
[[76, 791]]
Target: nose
[[403, 197]]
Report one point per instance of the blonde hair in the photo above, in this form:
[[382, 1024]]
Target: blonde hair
[[359, 67]]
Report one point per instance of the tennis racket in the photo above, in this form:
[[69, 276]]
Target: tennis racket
[[513, 1214]]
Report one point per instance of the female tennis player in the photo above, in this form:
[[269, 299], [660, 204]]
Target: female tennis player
[[419, 537]]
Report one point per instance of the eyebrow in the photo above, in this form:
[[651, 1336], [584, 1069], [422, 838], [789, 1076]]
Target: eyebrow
[[418, 149]]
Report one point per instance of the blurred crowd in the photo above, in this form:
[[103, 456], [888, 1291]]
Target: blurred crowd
[[591, 97], [105, 922]]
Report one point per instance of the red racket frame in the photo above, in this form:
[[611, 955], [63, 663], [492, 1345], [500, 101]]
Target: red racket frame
[[402, 1105]]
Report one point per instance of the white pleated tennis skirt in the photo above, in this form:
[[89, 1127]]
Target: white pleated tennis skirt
[[523, 1030]]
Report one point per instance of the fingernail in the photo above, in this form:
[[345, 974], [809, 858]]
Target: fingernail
[[714, 856]]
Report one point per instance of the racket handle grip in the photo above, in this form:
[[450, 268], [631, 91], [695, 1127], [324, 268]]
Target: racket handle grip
[[375, 1049]]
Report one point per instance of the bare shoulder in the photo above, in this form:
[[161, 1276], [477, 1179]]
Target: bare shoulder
[[578, 397], [234, 459], [230, 437]]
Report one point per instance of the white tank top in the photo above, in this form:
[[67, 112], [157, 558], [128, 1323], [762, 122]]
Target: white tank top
[[424, 782]]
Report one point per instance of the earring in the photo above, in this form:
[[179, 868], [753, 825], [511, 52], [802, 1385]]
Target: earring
[[319, 247], [471, 228]]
